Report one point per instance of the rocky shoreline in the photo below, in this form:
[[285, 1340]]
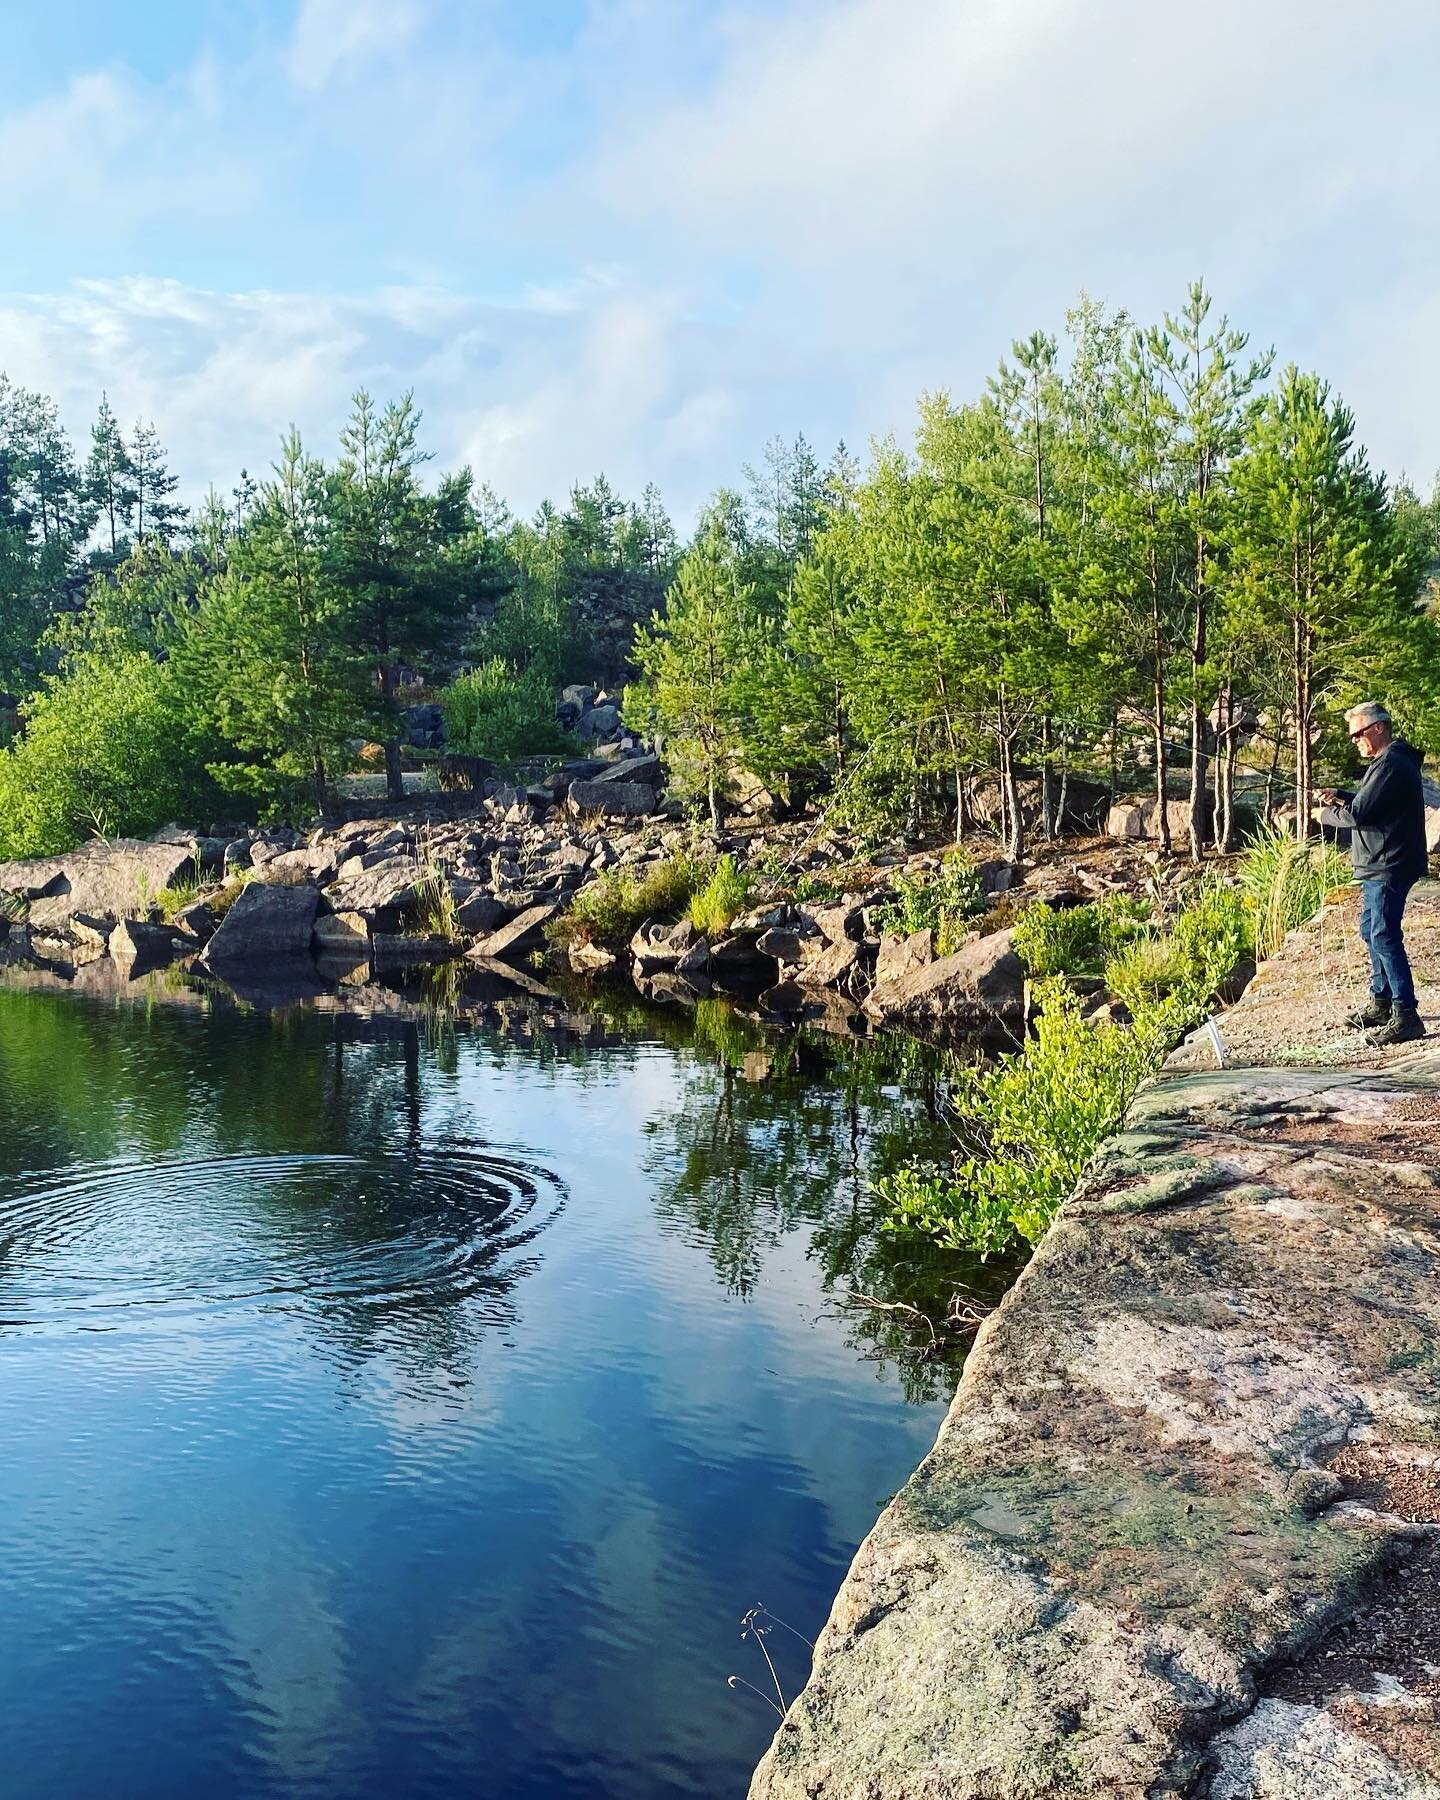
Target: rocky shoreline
[[1179, 1533], [359, 899]]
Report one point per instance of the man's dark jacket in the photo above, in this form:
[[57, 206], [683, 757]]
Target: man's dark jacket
[[1386, 814]]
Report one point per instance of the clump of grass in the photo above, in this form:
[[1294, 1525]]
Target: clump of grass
[[723, 898], [1287, 882], [943, 903], [435, 911], [13, 908], [171, 901], [610, 909], [230, 891]]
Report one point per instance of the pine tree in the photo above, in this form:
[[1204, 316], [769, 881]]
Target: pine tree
[[394, 552], [1208, 389], [1319, 571], [109, 477], [270, 647], [692, 660], [156, 514]]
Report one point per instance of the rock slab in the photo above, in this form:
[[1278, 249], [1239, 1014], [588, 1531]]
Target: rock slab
[[1130, 1522], [265, 923]]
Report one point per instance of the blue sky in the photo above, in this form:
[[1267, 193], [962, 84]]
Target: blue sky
[[646, 235]]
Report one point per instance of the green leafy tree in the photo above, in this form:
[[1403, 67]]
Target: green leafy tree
[[692, 660], [1319, 569], [395, 551], [271, 646]]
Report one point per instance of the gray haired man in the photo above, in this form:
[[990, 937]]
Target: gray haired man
[[1386, 818]]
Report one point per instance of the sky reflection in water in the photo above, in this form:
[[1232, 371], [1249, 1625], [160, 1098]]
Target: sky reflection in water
[[420, 1417]]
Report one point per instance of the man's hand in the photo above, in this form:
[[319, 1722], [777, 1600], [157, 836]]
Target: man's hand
[[1328, 797]]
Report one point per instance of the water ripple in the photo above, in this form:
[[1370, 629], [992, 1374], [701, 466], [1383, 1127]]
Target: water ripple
[[205, 1233]]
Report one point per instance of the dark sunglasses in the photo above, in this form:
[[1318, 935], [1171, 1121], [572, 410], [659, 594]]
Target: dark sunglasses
[[1354, 735]]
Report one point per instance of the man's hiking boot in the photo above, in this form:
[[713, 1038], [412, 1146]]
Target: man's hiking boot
[[1376, 1011], [1404, 1027]]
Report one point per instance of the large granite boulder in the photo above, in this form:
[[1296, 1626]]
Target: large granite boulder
[[265, 923], [517, 939], [1136, 816], [901, 956], [386, 891], [615, 799], [1175, 1540], [109, 880], [979, 987], [139, 945], [342, 934]]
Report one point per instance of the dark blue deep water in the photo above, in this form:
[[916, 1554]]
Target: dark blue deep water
[[397, 1410]]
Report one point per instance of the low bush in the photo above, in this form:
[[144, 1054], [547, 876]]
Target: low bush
[[724, 896], [504, 713], [170, 902], [1077, 940], [612, 907], [230, 891], [944, 903], [1027, 1127]]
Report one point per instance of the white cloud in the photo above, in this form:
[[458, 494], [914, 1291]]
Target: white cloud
[[534, 397], [837, 128], [650, 245], [337, 37]]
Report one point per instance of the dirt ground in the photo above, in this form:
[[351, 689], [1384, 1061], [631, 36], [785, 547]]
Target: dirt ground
[[1293, 1012]]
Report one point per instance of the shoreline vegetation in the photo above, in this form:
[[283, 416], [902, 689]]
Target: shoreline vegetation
[[1130, 584]]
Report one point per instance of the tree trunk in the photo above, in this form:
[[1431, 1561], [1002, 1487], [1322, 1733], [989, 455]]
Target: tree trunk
[[1064, 792], [394, 776], [1010, 794], [1302, 732], [1225, 777], [1162, 772], [322, 792], [713, 796], [1047, 795]]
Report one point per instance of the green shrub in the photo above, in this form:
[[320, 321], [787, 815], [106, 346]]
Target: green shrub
[[233, 887], [1287, 882], [609, 911], [112, 745], [1076, 940], [498, 711], [724, 896], [1028, 1126], [1208, 938], [1145, 972], [1210, 935], [170, 902], [943, 903]]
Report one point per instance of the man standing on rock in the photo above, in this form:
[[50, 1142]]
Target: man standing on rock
[[1386, 818]]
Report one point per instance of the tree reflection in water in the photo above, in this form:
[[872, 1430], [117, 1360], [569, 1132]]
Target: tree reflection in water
[[773, 1134]]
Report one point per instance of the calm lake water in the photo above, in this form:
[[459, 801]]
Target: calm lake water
[[396, 1411]]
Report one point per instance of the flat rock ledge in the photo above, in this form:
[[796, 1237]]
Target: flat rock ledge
[[1180, 1532]]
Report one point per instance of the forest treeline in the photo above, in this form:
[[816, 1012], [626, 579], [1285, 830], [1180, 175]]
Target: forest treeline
[[1142, 548]]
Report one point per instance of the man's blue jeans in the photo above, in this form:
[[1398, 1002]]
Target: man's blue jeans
[[1382, 906]]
